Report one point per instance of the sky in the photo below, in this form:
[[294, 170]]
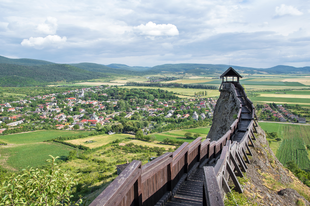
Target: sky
[[253, 33]]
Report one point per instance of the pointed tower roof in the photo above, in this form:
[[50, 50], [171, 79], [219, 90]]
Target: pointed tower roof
[[230, 72]]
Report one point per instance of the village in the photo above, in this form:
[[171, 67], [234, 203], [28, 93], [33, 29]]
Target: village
[[103, 106], [279, 113]]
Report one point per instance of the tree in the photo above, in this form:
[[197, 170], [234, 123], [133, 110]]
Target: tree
[[188, 135], [139, 134], [50, 186], [76, 126], [72, 155]]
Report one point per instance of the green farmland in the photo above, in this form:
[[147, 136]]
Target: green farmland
[[179, 134], [28, 149], [293, 144]]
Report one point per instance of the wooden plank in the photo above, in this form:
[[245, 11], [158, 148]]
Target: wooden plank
[[194, 144], [117, 190], [151, 168], [212, 149], [180, 152], [234, 125], [213, 196], [204, 149]]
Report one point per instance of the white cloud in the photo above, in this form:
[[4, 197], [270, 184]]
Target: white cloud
[[151, 29], [42, 42], [49, 27], [287, 10]]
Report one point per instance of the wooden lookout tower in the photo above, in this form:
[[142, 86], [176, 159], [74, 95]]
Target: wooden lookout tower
[[230, 76]]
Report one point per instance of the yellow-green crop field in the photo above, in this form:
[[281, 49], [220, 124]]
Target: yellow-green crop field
[[99, 140], [150, 144], [301, 97]]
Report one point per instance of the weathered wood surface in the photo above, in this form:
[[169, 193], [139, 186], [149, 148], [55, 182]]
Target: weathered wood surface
[[121, 190], [233, 156]]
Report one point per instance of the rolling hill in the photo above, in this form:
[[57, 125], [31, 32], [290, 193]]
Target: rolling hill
[[21, 75], [29, 72]]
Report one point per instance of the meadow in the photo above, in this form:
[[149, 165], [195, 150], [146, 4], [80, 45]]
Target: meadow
[[28, 149], [180, 134]]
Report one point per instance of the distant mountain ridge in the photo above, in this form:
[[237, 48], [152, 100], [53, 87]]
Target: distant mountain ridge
[[23, 72], [24, 61]]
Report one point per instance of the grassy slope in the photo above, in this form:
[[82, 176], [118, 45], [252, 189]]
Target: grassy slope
[[28, 149]]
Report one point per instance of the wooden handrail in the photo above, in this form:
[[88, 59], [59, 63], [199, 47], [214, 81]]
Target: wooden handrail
[[227, 162], [115, 193]]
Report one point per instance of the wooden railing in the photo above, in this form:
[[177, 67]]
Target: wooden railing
[[155, 182], [231, 163]]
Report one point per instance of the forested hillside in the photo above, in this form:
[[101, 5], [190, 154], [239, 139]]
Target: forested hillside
[[105, 69], [20, 75], [29, 62]]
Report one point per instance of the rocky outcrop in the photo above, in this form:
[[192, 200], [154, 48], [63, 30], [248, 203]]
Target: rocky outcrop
[[225, 113], [269, 182]]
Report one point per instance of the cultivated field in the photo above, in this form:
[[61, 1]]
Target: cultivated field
[[184, 92], [149, 144], [293, 144], [99, 140], [99, 83], [301, 97], [179, 134], [305, 80]]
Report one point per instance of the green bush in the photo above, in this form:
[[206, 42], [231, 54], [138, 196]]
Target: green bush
[[272, 135], [50, 186], [188, 135]]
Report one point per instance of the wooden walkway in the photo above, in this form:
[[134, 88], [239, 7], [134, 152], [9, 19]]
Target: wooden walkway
[[191, 190]]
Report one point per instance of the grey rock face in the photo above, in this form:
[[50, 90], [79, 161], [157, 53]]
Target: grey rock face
[[226, 108]]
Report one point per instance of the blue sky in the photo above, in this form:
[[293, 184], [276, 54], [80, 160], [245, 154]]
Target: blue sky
[[255, 33]]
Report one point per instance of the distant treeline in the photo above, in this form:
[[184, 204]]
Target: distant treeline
[[176, 85]]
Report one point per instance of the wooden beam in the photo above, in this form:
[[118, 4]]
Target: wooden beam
[[246, 157], [254, 138], [252, 143], [237, 168], [255, 130], [225, 185], [234, 178], [241, 162], [247, 146]]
